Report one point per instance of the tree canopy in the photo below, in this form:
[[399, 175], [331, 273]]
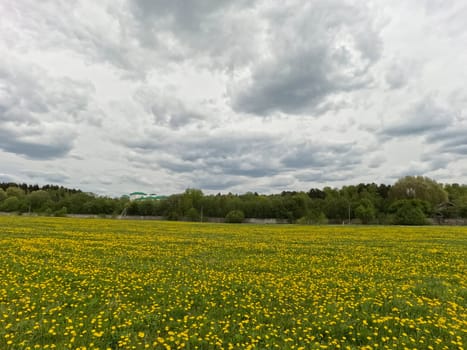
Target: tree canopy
[[409, 200]]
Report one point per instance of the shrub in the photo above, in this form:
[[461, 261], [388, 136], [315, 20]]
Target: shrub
[[2, 194], [173, 215], [61, 212], [410, 212], [193, 215], [365, 213], [313, 218], [235, 217], [11, 204]]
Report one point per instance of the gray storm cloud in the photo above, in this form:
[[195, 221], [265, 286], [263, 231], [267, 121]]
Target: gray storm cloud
[[231, 95]]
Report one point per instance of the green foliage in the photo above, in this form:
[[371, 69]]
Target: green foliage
[[447, 210], [11, 204], [235, 217], [146, 207], [173, 215], [424, 206], [3, 194], [365, 211], [47, 212], [37, 199], [463, 211], [313, 217], [365, 214], [193, 215], [193, 197], [410, 212], [419, 187], [460, 205], [14, 191], [132, 208], [296, 205], [48, 207], [62, 212], [337, 207], [455, 191], [369, 203]]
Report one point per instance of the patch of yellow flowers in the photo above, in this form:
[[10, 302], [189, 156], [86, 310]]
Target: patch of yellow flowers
[[110, 284]]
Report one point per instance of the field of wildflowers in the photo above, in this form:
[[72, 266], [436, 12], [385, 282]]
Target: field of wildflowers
[[110, 284]]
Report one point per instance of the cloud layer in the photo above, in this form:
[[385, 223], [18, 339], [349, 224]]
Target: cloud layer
[[115, 96]]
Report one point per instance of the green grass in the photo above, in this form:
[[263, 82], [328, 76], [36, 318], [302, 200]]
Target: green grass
[[109, 284]]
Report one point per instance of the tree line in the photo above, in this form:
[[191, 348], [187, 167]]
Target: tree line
[[410, 200]]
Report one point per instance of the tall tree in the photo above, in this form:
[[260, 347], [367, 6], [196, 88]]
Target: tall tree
[[14, 191], [419, 187], [37, 199]]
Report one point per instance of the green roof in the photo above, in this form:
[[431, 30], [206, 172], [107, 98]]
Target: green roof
[[133, 193], [151, 197]]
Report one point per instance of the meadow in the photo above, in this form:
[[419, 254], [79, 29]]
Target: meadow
[[115, 284]]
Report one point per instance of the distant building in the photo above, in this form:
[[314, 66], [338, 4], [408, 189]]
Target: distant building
[[134, 196], [137, 195]]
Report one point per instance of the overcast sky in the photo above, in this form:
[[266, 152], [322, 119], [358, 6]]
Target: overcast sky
[[114, 96]]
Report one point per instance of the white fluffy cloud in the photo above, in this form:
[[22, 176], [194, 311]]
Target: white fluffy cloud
[[39, 113], [113, 96]]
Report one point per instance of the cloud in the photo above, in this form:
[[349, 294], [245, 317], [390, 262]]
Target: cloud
[[418, 168], [448, 15], [94, 32], [166, 110], [451, 140], [422, 117], [180, 15], [231, 95], [221, 152], [375, 160], [20, 141], [214, 183], [231, 157], [47, 177], [137, 36], [221, 33], [398, 75], [9, 178], [38, 112], [315, 50], [322, 155]]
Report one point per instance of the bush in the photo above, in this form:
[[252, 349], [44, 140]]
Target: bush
[[61, 212], [193, 215], [235, 217], [11, 204], [173, 215], [410, 212], [313, 218], [48, 212], [463, 212], [365, 213], [385, 219], [2, 194]]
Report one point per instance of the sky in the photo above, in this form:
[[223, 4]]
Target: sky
[[116, 96]]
